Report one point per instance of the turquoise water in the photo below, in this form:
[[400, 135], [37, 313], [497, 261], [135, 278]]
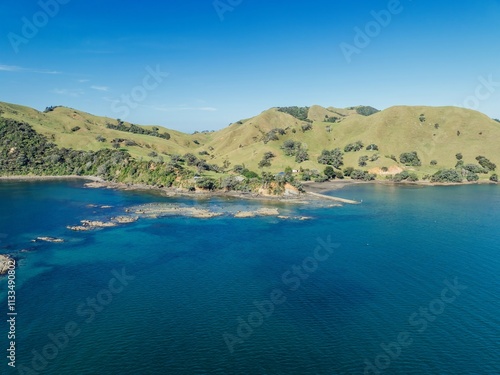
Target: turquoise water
[[170, 295]]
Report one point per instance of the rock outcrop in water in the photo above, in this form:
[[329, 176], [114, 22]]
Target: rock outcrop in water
[[259, 212], [4, 264], [96, 224], [48, 239], [161, 210]]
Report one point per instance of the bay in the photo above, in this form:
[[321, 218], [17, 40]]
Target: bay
[[191, 296]]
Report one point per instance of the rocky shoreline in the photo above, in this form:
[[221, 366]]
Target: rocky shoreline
[[180, 192], [302, 198]]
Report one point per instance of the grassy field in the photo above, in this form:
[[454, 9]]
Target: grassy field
[[436, 133]]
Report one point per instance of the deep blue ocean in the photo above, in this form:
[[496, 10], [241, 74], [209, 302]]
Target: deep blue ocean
[[405, 283]]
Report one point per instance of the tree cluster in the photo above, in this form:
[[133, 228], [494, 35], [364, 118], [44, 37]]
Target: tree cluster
[[138, 130]]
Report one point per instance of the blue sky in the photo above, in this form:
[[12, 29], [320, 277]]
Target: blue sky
[[214, 67]]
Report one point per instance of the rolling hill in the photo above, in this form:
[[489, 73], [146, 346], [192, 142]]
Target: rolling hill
[[437, 134]]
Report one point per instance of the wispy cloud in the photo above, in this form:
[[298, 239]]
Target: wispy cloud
[[83, 80], [18, 69], [69, 92], [100, 88]]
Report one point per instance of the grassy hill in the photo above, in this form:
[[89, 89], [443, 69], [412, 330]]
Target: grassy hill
[[437, 134], [57, 126]]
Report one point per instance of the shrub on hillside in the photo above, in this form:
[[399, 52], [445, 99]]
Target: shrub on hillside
[[290, 147], [348, 171], [486, 163], [238, 168], [447, 175], [364, 110], [249, 174], [392, 157], [137, 129], [410, 159], [230, 183], [306, 127], [334, 158], [329, 172], [301, 156], [474, 168], [297, 112], [331, 119], [471, 177], [308, 175], [51, 108], [362, 161], [358, 174], [190, 159], [273, 135], [405, 176], [176, 158], [266, 160], [130, 143], [353, 147], [207, 183], [264, 163]]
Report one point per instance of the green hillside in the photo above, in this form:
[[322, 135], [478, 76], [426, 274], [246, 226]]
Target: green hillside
[[437, 134]]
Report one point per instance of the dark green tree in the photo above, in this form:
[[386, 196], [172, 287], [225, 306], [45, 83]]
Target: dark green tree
[[410, 159], [329, 172]]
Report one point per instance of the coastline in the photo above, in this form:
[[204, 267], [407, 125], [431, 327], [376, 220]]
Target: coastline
[[314, 190], [99, 183], [49, 178], [340, 184]]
